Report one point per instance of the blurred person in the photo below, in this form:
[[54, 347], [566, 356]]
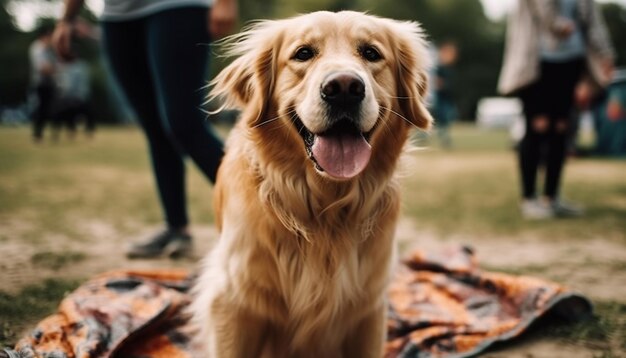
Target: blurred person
[[73, 89], [73, 82], [43, 66], [549, 45], [610, 118], [583, 129], [444, 108], [158, 52], [616, 106], [586, 95]]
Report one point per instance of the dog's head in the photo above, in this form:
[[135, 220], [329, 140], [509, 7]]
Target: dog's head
[[339, 88]]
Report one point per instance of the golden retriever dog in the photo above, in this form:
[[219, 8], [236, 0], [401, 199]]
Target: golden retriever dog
[[307, 195]]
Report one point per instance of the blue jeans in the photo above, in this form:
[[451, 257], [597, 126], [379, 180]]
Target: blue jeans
[[160, 62]]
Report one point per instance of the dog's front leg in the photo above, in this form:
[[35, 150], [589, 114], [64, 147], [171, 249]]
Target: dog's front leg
[[368, 337], [233, 333]]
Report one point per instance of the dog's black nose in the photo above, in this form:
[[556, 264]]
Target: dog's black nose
[[343, 89]]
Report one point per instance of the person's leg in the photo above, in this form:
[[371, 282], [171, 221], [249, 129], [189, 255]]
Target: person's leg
[[90, 120], [42, 113], [126, 49], [70, 121], [531, 149], [555, 157], [530, 152], [178, 47], [562, 79], [37, 117], [533, 142], [443, 132], [445, 115]]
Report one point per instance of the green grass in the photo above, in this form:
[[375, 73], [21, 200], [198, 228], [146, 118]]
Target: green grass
[[474, 190], [604, 332], [56, 260], [17, 311], [107, 179]]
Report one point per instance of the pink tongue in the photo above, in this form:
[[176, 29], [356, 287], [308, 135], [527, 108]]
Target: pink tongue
[[342, 156]]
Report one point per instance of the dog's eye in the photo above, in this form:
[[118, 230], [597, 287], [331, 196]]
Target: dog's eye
[[370, 53], [304, 53]]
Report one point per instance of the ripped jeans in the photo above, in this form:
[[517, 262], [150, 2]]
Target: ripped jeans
[[548, 105]]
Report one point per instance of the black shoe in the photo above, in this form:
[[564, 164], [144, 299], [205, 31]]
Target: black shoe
[[171, 243]]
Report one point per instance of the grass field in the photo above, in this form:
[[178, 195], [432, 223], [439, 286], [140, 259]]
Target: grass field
[[67, 209]]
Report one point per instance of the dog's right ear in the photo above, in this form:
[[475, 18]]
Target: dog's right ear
[[247, 83], [233, 85]]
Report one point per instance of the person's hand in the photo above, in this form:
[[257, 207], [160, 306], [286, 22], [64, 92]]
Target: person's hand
[[614, 110], [62, 39], [47, 69], [583, 94], [222, 19], [563, 28], [608, 67]]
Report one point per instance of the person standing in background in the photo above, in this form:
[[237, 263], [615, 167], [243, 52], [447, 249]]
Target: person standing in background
[[73, 90], [43, 66], [73, 86], [444, 107], [158, 52], [610, 116], [550, 44]]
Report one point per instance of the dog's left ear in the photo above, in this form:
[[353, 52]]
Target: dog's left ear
[[412, 73], [247, 83]]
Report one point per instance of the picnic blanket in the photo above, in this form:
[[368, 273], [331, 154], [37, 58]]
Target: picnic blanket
[[441, 305]]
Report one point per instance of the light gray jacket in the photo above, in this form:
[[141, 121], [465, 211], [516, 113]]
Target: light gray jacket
[[528, 21]]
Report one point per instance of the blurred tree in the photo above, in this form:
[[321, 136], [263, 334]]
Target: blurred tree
[[287, 8], [615, 17], [14, 58], [252, 10]]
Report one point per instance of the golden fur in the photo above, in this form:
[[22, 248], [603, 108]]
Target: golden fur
[[303, 259]]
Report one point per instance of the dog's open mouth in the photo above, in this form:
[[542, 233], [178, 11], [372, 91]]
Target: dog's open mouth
[[342, 151]]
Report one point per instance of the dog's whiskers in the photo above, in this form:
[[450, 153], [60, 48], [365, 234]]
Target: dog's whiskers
[[265, 122], [293, 119], [396, 97], [401, 116], [289, 113], [387, 129]]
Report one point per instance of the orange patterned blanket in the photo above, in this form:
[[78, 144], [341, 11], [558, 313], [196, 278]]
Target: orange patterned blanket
[[441, 305]]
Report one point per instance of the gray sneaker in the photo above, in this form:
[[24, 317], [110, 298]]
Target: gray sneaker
[[563, 208], [536, 209], [169, 243]]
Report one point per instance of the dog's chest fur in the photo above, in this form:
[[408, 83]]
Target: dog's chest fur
[[321, 287], [319, 282], [311, 289]]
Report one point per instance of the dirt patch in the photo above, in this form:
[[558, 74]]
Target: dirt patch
[[538, 348], [593, 267], [102, 250]]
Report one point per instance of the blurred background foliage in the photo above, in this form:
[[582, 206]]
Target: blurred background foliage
[[479, 39]]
